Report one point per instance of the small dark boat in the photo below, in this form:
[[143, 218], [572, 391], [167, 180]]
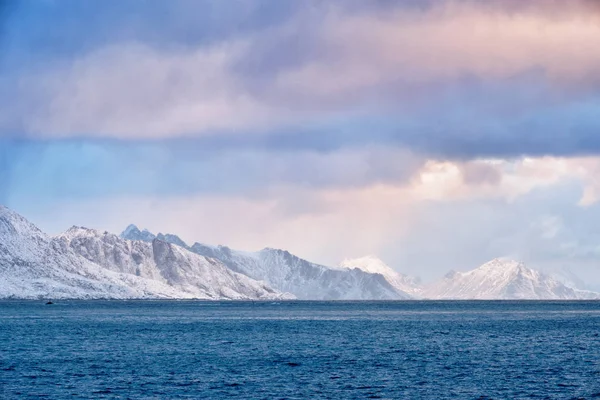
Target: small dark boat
[[49, 302]]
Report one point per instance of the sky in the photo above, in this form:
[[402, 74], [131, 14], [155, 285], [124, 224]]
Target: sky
[[435, 135]]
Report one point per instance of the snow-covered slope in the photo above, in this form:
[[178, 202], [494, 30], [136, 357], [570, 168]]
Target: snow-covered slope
[[171, 265], [85, 263], [288, 273], [32, 265], [567, 277], [375, 265], [502, 279]]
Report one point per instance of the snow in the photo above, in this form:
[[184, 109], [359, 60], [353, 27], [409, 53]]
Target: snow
[[130, 230], [167, 263], [85, 263], [374, 265], [502, 279], [288, 273], [32, 265], [133, 233], [307, 280], [369, 278]]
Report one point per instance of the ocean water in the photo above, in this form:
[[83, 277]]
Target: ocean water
[[299, 350]]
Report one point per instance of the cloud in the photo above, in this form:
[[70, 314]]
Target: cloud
[[78, 169], [543, 227], [481, 174], [448, 79], [71, 169], [134, 91], [450, 40]]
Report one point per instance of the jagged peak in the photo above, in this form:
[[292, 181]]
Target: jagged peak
[[131, 228], [173, 239], [76, 228], [274, 250], [132, 232], [6, 212]]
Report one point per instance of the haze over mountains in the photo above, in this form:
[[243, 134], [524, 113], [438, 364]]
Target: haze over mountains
[[86, 263]]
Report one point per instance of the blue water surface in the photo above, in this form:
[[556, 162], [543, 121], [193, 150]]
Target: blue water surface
[[299, 350]]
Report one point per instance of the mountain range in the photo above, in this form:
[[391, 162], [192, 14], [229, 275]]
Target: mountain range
[[87, 263], [83, 263], [289, 273]]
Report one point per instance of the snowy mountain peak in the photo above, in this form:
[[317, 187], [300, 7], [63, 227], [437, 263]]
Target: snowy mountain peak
[[506, 267], [12, 223], [132, 232], [502, 279], [375, 265], [502, 264], [78, 231], [368, 263]]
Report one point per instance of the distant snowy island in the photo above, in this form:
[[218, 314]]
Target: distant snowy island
[[84, 263]]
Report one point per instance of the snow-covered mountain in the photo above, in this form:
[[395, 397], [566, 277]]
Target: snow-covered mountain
[[167, 263], [133, 233], [85, 263], [288, 273], [503, 279], [375, 265], [34, 265]]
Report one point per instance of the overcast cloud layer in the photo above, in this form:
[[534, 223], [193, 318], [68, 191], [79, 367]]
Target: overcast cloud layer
[[436, 134]]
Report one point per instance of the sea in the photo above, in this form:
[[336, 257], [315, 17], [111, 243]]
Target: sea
[[300, 350]]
